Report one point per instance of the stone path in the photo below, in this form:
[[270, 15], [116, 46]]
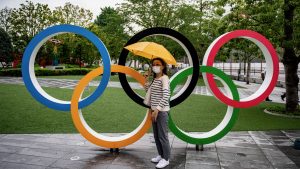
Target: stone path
[[237, 150]]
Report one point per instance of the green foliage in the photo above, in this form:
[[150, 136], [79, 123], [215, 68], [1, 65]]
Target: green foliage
[[72, 14], [147, 14], [74, 49], [26, 21], [280, 109], [5, 48], [263, 16], [30, 18], [195, 20], [279, 21], [5, 15], [11, 72], [109, 26]]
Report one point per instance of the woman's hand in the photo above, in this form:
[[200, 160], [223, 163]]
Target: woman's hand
[[154, 115]]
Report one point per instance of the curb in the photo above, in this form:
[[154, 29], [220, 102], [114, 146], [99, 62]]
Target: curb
[[281, 115]]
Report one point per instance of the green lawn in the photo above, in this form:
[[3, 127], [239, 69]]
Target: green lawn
[[116, 112]]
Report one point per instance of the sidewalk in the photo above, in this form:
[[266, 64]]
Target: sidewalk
[[253, 149]]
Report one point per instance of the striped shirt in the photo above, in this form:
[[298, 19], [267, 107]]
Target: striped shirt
[[159, 93]]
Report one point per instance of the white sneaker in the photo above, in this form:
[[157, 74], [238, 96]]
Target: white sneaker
[[162, 163], [156, 159]]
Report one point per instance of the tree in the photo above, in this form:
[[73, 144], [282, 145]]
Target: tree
[[290, 59], [111, 23], [199, 19], [74, 47], [278, 20], [147, 14], [243, 16], [189, 19], [27, 21], [72, 14], [5, 15], [30, 18], [5, 48]]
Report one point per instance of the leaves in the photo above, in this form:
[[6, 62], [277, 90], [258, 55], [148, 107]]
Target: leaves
[[5, 47], [72, 14], [5, 15], [27, 21]]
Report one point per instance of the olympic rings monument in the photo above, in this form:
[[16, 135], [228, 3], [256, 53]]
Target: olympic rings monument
[[230, 97]]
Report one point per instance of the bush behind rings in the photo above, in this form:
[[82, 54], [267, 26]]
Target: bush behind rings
[[46, 72]]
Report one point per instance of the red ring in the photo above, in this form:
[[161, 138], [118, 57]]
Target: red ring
[[210, 60]]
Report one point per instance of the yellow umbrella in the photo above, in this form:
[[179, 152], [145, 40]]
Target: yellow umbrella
[[151, 50]]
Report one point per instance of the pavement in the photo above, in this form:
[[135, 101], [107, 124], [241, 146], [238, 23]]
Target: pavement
[[237, 150]]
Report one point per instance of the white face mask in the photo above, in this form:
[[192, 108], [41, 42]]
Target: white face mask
[[156, 69]]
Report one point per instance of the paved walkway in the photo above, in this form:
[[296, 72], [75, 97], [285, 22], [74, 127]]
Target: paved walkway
[[201, 90], [237, 150]]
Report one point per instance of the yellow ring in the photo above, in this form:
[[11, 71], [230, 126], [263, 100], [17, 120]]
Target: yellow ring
[[89, 133]]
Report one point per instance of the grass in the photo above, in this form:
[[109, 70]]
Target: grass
[[200, 82], [116, 112], [280, 109]]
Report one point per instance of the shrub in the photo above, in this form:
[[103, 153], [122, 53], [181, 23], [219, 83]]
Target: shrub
[[11, 72]]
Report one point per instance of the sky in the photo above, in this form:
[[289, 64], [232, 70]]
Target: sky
[[93, 5]]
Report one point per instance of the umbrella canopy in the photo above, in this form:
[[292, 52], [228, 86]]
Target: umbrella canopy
[[151, 50]]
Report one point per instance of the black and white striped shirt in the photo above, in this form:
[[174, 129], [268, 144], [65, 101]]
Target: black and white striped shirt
[[159, 93]]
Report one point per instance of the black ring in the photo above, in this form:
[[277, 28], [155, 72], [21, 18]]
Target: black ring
[[162, 31]]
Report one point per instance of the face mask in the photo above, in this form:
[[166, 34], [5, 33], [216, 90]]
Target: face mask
[[156, 69]]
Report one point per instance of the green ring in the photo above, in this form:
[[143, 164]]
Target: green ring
[[233, 89]]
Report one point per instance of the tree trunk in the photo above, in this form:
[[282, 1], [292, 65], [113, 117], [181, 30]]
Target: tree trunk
[[290, 60], [261, 63], [239, 71], [230, 67], [136, 64], [248, 71], [133, 62], [244, 67], [291, 81], [79, 61], [223, 66]]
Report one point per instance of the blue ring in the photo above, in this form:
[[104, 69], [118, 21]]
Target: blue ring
[[60, 29]]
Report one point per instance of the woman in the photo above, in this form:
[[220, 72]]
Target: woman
[[159, 103]]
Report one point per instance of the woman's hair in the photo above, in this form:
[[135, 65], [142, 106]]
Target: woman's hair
[[164, 64]]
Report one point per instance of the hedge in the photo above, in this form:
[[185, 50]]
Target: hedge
[[46, 72]]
